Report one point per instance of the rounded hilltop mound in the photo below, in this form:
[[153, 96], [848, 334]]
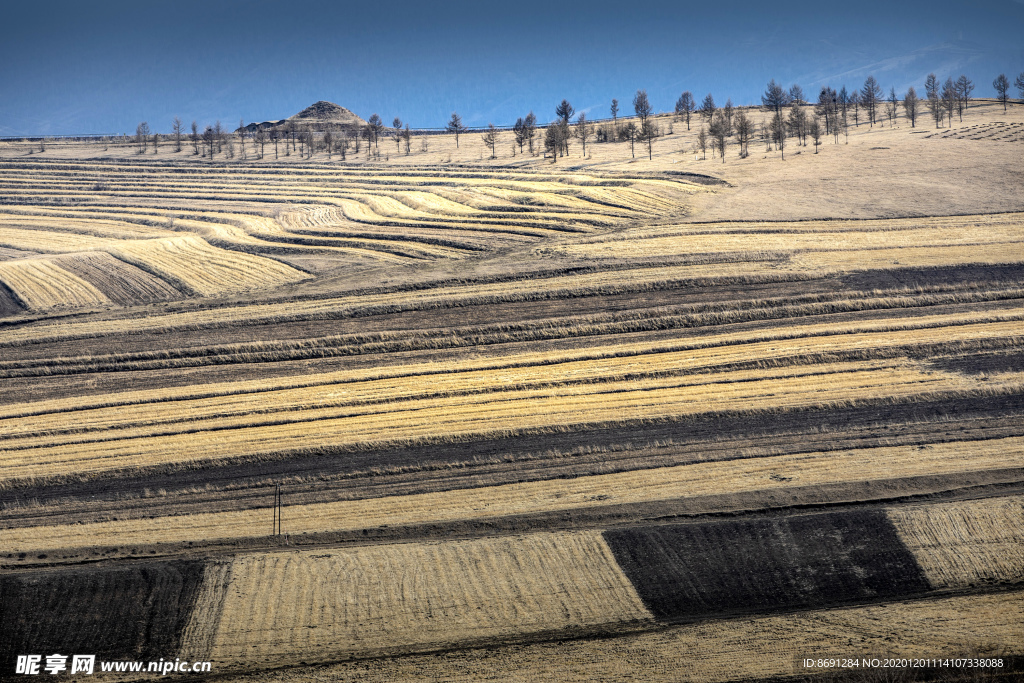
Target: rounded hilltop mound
[[317, 116], [323, 112]]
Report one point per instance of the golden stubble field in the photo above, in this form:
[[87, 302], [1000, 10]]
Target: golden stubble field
[[566, 412]]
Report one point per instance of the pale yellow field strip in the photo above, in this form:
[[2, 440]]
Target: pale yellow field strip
[[819, 241], [964, 544], [716, 651], [458, 417], [53, 241], [206, 269], [43, 285], [666, 483], [324, 605], [80, 223], [509, 372]]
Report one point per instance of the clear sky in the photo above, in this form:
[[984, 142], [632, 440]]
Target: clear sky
[[102, 67]]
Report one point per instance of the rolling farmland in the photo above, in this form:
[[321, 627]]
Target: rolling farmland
[[556, 423]]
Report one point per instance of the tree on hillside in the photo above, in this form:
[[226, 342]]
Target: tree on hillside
[[853, 101], [241, 136], [329, 141], [407, 137], [728, 110], [796, 94], [629, 132], [910, 105], [455, 126], [490, 139], [1019, 84], [950, 98], [892, 107], [964, 88], [584, 129], [1002, 86], [396, 130], [209, 139], [931, 88], [778, 133], [261, 140], [615, 115], [827, 106], [519, 135], [376, 124], [702, 142], [644, 111], [142, 137], [815, 131], [685, 106], [177, 130], [156, 141], [797, 123], [194, 137], [720, 132], [744, 131], [707, 108], [530, 129], [870, 96], [553, 140], [774, 99], [564, 112]]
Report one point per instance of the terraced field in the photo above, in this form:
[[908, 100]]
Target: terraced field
[[548, 423]]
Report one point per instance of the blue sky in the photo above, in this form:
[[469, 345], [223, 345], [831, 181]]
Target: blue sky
[[79, 67]]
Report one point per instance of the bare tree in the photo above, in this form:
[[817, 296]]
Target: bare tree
[[744, 131], [455, 126], [615, 112], [209, 139], [490, 139], [728, 110], [177, 130], [815, 132], [195, 138], [797, 122], [629, 132], [778, 132], [142, 137], [584, 129], [827, 106], [396, 130], [892, 107], [950, 98], [275, 136], [775, 99], [854, 101], [707, 108], [407, 137], [796, 94], [685, 106], [870, 95], [719, 132], [702, 142], [241, 136], [1019, 84], [519, 135], [376, 128], [1002, 86], [530, 129], [931, 88], [964, 88], [910, 105], [329, 141], [643, 109], [260, 138], [553, 140], [564, 111], [156, 141]]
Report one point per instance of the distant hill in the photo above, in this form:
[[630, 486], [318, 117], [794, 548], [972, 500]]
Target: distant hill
[[317, 115]]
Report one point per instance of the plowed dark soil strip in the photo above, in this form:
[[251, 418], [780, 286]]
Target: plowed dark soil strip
[[130, 612], [122, 282], [8, 304], [688, 571]]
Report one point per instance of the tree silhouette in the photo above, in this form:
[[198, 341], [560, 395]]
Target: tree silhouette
[[910, 105], [685, 106], [1002, 86], [455, 126], [643, 109], [870, 95]]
